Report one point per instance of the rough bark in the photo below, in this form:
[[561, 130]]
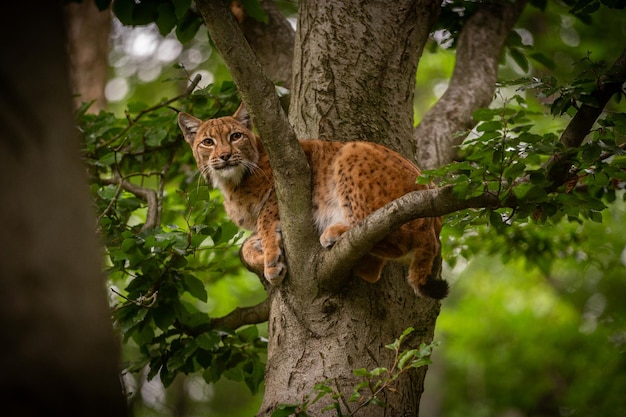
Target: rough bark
[[88, 31], [472, 84], [354, 69], [59, 354]]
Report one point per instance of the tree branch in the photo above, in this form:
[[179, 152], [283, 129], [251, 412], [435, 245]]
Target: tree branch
[[242, 316], [153, 216], [361, 238], [292, 180], [579, 127], [472, 84]]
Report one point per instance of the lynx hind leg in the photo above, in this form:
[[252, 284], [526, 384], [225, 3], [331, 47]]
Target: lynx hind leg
[[273, 260], [251, 254], [369, 268], [421, 276], [332, 234]]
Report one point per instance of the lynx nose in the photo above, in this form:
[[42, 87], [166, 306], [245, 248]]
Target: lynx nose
[[225, 156]]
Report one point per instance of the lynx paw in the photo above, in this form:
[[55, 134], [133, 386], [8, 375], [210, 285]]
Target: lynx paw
[[332, 234], [275, 273]]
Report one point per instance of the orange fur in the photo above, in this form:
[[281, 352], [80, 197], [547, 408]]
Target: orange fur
[[350, 181]]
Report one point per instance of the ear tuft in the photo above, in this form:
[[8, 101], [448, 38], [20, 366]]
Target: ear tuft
[[189, 125], [243, 117]]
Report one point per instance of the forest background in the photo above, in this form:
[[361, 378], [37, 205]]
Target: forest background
[[535, 322]]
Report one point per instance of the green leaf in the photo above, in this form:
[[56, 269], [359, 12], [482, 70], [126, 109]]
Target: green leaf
[[253, 9], [195, 287], [491, 126], [543, 60], [248, 334], [529, 192], [595, 216], [155, 137], [376, 401], [208, 341], [181, 7], [188, 26], [519, 58], [378, 371], [254, 372], [165, 18], [483, 115], [406, 356], [286, 410], [163, 316]]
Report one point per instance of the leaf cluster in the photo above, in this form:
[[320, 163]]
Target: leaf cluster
[[168, 15], [507, 156], [167, 239]]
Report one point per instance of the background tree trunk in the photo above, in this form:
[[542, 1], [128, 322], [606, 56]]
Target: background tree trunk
[[59, 354], [88, 31]]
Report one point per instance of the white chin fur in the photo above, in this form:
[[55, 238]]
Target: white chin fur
[[229, 176]]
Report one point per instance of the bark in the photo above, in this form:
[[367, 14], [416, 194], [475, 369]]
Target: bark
[[272, 43], [59, 353], [88, 32], [472, 84], [354, 70]]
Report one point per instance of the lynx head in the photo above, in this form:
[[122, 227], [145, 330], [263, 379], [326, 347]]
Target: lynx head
[[225, 148]]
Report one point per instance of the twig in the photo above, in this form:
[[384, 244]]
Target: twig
[[133, 121], [153, 216], [559, 165], [242, 316]]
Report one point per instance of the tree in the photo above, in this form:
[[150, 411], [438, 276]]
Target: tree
[[88, 43], [354, 70], [59, 355]]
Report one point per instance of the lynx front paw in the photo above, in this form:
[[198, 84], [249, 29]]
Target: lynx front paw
[[275, 273], [332, 234]]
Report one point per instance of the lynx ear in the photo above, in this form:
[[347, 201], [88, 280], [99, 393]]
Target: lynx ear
[[189, 125], [243, 117]]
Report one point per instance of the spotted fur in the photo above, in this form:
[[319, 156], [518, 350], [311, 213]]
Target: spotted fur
[[350, 181]]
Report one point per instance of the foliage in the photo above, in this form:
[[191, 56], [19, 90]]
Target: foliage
[[375, 382], [505, 155], [167, 240], [543, 344]]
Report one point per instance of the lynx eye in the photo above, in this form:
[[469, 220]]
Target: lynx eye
[[208, 142], [235, 136]]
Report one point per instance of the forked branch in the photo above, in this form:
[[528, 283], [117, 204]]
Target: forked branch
[[472, 84]]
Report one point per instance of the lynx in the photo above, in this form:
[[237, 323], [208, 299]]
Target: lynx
[[350, 180]]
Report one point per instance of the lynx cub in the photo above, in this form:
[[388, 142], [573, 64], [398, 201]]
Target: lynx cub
[[350, 180]]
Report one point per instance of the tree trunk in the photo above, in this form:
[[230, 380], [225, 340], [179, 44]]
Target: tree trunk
[[59, 354], [354, 77], [88, 31], [354, 70]]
